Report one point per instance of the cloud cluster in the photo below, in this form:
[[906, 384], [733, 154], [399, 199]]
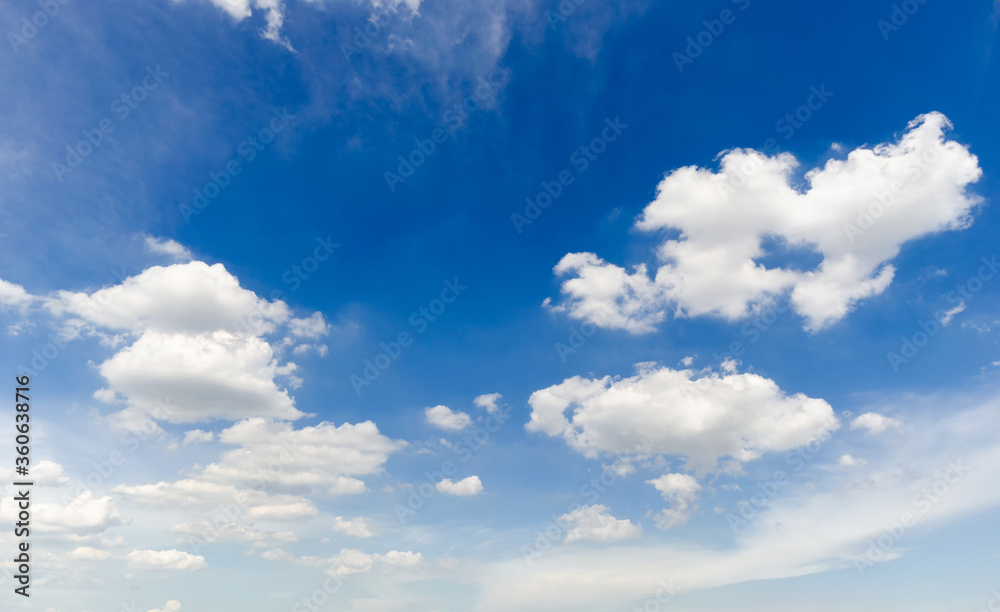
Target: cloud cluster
[[165, 560], [198, 350], [721, 227], [596, 524], [672, 412]]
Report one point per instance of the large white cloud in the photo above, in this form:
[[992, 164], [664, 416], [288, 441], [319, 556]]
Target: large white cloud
[[198, 351], [828, 519], [853, 213], [81, 515], [324, 456], [672, 412], [233, 503]]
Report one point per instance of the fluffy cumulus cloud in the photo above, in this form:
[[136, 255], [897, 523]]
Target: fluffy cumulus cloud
[[444, 417], [721, 227], [165, 560], [488, 402], [596, 524], [681, 490], [13, 296], [171, 606], [875, 423], [463, 488], [198, 350], [672, 412], [325, 457], [81, 516], [359, 527]]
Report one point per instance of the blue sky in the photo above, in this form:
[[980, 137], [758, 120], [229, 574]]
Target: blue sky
[[385, 308]]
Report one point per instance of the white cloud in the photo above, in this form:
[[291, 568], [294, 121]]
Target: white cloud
[[681, 490], [165, 560], [79, 516], [818, 524], [358, 527], [949, 315], [172, 606], [875, 423], [48, 473], [14, 296], [198, 345], [323, 456], [851, 461], [197, 436], [350, 560], [488, 402], [313, 326], [670, 412], [443, 417], [248, 503], [170, 248], [231, 532], [726, 219], [596, 524], [465, 487]]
